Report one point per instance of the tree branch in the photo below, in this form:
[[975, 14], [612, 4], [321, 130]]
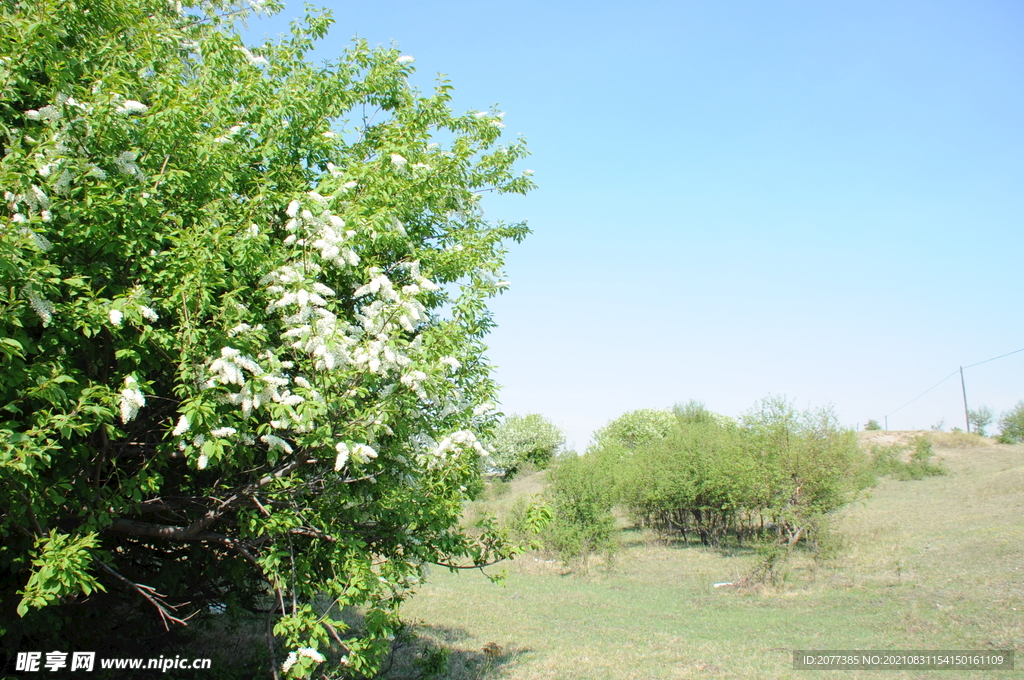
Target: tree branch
[[214, 514]]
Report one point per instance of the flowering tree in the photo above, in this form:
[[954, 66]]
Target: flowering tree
[[520, 440], [244, 299]]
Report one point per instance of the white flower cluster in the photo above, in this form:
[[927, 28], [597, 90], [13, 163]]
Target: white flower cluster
[[131, 106], [415, 380], [374, 343], [276, 443], [35, 201], [134, 298], [293, 658], [323, 230], [361, 453], [452, 446], [126, 165], [228, 369], [252, 59], [42, 307], [132, 399], [182, 426]]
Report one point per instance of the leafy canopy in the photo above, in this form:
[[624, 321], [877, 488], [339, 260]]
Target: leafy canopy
[[243, 307]]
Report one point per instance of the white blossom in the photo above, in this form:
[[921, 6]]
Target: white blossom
[[42, 307], [203, 461], [311, 653], [182, 426], [131, 399], [131, 106], [451, 361], [484, 408], [149, 313], [126, 165], [363, 453], [40, 199], [221, 432], [398, 160], [41, 243], [292, 209], [276, 443], [292, 659], [115, 316], [251, 58]]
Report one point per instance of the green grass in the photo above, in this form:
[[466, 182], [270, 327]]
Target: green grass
[[936, 563]]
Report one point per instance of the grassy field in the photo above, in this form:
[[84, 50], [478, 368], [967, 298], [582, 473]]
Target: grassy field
[[930, 564]]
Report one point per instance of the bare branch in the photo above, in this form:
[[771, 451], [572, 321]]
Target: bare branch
[[154, 598]]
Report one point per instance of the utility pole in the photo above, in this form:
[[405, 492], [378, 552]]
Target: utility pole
[[963, 386]]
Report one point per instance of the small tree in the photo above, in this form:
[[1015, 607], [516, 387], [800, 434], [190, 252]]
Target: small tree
[[524, 440], [980, 418], [872, 425], [1011, 425]]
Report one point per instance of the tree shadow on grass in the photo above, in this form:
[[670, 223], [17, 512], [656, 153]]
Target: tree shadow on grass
[[428, 652]]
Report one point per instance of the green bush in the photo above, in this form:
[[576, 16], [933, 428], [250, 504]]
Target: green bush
[[1011, 425], [872, 425], [888, 461]]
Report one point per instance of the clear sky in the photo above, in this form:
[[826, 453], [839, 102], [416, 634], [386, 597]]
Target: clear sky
[[737, 199]]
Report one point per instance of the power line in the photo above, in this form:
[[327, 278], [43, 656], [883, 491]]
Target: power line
[[950, 376], [925, 392], [994, 358]]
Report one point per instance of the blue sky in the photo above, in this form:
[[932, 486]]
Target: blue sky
[[737, 199]]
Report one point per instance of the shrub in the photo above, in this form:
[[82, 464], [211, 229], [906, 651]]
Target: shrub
[[713, 476], [872, 425], [581, 502], [1011, 425], [888, 461]]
